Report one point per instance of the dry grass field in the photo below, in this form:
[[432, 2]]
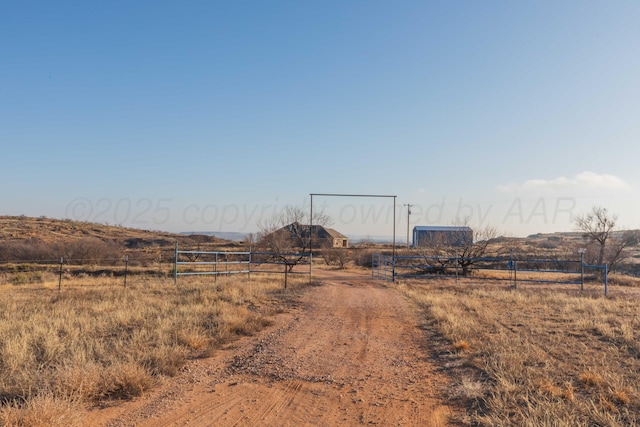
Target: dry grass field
[[97, 341], [538, 355], [535, 356]]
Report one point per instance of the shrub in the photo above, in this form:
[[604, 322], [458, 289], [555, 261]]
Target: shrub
[[362, 257], [26, 278]]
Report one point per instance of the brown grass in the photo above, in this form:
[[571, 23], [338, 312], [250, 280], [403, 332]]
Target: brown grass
[[536, 357], [43, 410], [62, 352], [461, 345]]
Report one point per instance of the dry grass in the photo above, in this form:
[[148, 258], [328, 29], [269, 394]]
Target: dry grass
[[461, 345], [536, 357], [62, 352]]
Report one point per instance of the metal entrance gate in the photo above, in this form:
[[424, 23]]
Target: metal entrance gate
[[383, 267], [203, 263], [199, 263]]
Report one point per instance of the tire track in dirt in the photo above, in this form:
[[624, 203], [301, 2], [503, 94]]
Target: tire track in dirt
[[353, 354]]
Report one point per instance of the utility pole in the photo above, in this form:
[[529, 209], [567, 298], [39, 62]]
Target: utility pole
[[408, 216]]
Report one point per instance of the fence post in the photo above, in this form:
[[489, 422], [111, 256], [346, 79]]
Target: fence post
[[60, 274], [511, 265], [581, 251], [286, 272], [606, 273], [175, 267], [515, 274], [126, 266], [213, 271], [456, 267], [249, 269]]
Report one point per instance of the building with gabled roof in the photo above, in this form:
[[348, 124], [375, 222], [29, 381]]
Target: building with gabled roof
[[321, 237], [333, 238]]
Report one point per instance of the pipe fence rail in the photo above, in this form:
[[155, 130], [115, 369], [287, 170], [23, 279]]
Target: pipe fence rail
[[513, 270], [204, 263], [199, 263]]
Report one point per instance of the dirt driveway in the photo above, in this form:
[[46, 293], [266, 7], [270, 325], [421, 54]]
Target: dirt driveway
[[352, 354]]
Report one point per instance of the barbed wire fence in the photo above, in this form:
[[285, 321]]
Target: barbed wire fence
[[132, 267]]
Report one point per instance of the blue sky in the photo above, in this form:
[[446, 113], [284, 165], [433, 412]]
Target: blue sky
[[213, 115]]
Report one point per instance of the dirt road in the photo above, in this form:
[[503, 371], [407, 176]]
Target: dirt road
[[352, 354]]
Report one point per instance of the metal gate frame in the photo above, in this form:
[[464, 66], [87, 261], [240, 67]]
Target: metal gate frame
[[242, 266], [394, 197], [383, 267], [214, 264]]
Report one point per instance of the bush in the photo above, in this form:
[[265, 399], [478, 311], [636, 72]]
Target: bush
[[335, 256], [362, 257], [88, 249], [26, 278]]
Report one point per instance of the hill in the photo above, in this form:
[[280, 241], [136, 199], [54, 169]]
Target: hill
[[27, 238], [20, 228]]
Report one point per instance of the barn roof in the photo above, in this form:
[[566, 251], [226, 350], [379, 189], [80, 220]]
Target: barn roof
[[318, 231], [335, 234], [440, 228]]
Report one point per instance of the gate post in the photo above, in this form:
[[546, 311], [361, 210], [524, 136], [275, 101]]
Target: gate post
[[373, 265], [393, 268]]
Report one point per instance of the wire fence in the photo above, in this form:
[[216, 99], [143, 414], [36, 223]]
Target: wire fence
[[131, 267], [113, 270], [510, 269]]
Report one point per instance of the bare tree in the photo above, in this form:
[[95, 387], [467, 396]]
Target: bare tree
[[470, 254], [249, 239], [597, 226], [334, 256], [617, 248], [440, 252], [288, 237], [436, 254], [195, 255]]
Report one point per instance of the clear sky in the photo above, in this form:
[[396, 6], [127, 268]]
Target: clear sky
[[210, 115]]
